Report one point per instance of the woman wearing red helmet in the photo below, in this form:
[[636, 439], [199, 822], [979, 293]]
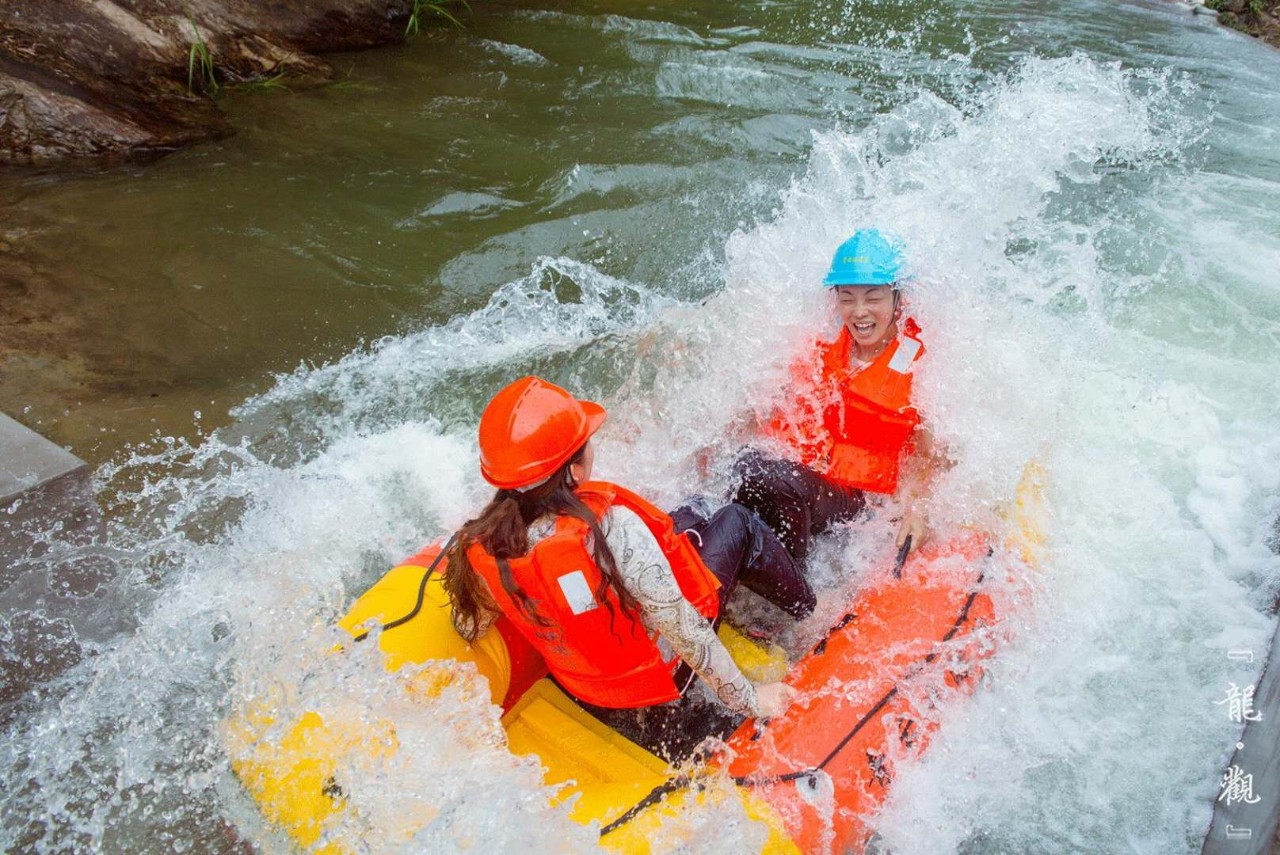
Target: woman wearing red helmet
[[620, 604]]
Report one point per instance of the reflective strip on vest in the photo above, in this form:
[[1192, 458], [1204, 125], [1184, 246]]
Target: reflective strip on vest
[[577, 593], [905, 355]]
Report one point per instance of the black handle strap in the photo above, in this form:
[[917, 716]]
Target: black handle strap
[[901, 560], [422, 591]]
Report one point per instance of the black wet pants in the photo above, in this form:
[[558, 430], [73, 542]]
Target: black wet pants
[[739, 548], [671, 730], [792, 499]]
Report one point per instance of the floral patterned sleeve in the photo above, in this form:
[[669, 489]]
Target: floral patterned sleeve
[[647, 574]]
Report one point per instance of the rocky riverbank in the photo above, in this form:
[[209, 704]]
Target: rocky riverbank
[[1257, 18], [114, 78]]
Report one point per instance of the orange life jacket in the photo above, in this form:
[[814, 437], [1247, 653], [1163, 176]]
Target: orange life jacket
[[853, 422], [597, 651]]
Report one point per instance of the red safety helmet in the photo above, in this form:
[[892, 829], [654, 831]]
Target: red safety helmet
[[530, 429]]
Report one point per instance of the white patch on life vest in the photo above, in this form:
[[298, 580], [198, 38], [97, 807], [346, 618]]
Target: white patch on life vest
[[905, 355], [576, 592]]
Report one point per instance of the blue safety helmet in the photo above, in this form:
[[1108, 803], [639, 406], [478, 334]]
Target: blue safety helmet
[[868, 258]]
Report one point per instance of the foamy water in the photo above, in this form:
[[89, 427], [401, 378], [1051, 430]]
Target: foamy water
[[1095, 251]]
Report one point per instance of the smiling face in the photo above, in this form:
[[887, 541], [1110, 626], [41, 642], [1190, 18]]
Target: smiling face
[[869, 313]]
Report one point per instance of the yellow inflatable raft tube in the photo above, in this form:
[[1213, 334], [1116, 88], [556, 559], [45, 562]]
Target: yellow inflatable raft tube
[[292, 778]]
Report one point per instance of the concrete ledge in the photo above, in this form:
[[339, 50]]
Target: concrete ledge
[[53, 584], [29, 461], [45, 495]]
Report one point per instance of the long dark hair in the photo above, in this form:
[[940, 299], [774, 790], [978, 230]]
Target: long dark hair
[[502, 529]]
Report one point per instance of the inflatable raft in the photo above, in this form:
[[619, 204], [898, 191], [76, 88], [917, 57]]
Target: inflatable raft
[[912, 640]]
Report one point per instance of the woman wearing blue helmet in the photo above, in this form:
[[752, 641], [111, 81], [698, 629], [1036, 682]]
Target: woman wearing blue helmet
[[851, 429]]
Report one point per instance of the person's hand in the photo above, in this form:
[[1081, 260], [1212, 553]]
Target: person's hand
[[774, 698], [703, 459], [915, 526]]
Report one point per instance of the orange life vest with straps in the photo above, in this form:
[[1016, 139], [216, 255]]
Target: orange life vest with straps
[[597, 651], [851, 422]]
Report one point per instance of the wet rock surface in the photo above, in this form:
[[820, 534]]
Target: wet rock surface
[[94, 78]]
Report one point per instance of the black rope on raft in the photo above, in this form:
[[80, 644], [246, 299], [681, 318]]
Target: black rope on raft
[[422, 592], [680, 782]]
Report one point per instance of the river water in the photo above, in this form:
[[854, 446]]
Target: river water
[[637, 202]]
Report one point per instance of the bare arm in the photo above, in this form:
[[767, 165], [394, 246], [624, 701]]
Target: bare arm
[[918, 473]]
